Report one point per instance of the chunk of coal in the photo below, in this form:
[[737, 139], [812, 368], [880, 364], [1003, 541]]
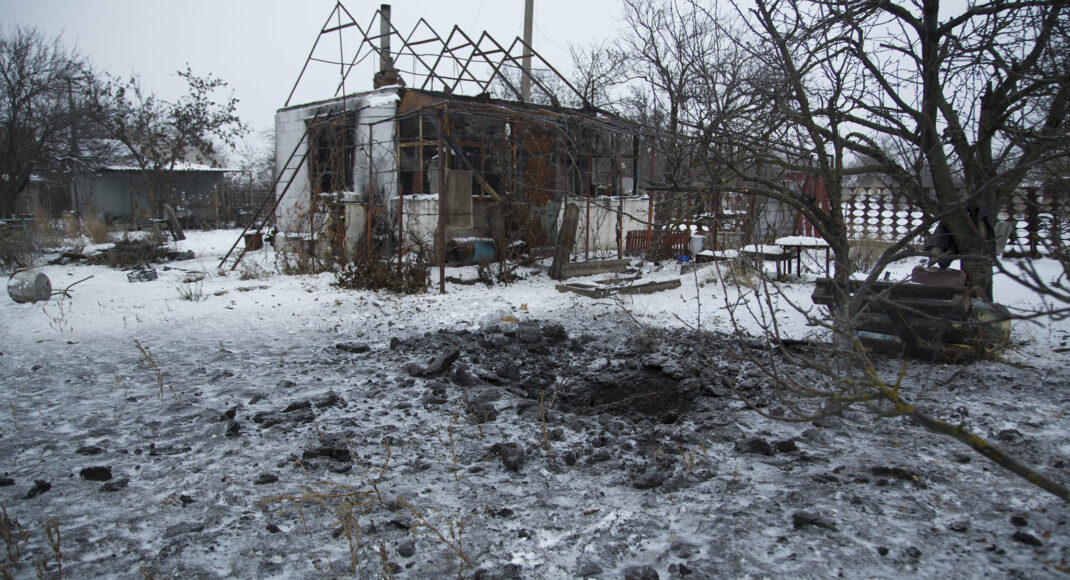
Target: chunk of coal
[[511, 454], [96, 473], [353, 347], [39, 486], [800, 520], [266, 478]]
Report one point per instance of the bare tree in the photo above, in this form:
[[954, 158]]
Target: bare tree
[[804, 86], [598, 68], [664, 47], [980, 95], [39, 80], [159, 135], [957, 101]]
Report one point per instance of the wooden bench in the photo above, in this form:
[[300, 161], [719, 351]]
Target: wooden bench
[[923, 321]]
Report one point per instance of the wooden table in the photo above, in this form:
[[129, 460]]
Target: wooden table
[[800, 243]]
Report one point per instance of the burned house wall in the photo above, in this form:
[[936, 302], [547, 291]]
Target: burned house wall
[[306, 208]]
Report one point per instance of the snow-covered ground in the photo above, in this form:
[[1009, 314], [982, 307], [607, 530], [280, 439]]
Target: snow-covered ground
[[282, 427]]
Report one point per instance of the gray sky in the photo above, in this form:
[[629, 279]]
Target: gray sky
[[259, 46]]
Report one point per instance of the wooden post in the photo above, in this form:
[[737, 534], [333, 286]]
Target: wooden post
[[371, 194], [650, 199], [716, 220], [620, 205], [566, 240], [401, 196], [440, 246], [635, 165], [587, 225]]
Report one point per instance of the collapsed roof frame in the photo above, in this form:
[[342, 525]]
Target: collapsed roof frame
[[457, 50]]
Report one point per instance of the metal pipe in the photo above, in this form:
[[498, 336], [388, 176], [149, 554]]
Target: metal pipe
[[441, 249], [385, 61]]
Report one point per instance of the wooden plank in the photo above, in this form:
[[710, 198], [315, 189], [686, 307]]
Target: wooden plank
[[580, 269], [584, 290], [823, 290], [651, 287], [566, 239], [172, 219]]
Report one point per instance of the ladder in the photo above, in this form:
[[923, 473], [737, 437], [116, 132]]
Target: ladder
[[259, 218]]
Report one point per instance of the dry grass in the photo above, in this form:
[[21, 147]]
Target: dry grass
[[48, 565], [344, 501], [15, 537], [738, 272], [866, 251], [544, 409], [450, 444], [54, 540], [152, 363], [45, 232], [96, 230], [347, 503], [16, 249], [72, 226]]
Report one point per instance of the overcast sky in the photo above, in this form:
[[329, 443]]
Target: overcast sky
[[259, 46]]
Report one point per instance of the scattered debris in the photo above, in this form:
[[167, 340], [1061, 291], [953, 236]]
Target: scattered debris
[[142, 275], [592, 291]]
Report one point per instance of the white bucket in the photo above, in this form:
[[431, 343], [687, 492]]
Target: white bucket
[[29, 286], [696, 243]]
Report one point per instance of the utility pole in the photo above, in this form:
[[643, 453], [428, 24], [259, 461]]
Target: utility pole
[[525, 75]]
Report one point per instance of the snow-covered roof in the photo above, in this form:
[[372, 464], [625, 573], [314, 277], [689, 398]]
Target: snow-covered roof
[[179, 167]]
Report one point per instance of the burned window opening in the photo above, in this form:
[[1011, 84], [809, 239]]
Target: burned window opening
[[331, 161]]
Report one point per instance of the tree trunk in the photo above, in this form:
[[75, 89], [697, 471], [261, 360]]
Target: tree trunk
[[978, 277]]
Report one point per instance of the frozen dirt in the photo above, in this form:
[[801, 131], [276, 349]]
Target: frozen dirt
[[279, 427]]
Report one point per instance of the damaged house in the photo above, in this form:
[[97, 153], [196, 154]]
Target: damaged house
[[402, 170], [464, 151], [391, 168]]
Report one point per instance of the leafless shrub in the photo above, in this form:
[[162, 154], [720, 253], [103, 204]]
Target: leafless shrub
[[501, 272], [252, 271], [455, 530], [866, 252], [364, 273]]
